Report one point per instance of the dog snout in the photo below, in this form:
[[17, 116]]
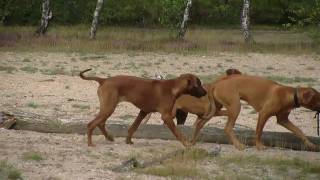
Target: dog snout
[[198, 92], [202, 91]]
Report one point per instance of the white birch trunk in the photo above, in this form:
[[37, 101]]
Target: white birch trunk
[[46, 15], [95, 20], [245, 22], [183, 26]]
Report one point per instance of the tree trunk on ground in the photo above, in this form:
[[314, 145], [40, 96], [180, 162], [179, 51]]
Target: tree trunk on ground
[[95, 20], [183, 26], [40, 123], [245, 22], [45, 17]]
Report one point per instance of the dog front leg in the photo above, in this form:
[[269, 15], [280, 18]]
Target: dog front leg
[[263, 117], [168, 120], [135, 126], [197, 126], [283, 120]]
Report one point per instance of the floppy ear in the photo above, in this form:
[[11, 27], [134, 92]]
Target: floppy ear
[[189, 82], [307, 96], [232, 71], [186, 80]]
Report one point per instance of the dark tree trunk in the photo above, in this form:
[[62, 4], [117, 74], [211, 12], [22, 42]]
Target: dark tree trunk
[[183, 26], [95, 20], [5, 10], [45, 17]]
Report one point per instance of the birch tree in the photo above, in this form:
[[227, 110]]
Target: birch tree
[[183, 26], [46, 15], [95, 20], [245, 22]]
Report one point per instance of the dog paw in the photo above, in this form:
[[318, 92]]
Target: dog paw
[[311, 146], [260, 147], [91, 145], [128, 141], [240, 146]]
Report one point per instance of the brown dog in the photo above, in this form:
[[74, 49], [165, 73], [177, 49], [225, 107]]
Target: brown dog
[[268, 98], [204, 107], [146, 94]]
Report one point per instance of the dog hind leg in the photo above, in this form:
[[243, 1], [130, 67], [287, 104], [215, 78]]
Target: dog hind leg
[[135, 125], [233, 112], [108, 104]]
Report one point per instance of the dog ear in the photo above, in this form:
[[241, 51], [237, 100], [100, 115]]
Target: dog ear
[[232, 71], [189, 82], [307, 96]]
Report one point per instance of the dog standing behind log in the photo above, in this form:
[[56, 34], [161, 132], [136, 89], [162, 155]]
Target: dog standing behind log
[[268, 98], [204, 107], [147, 95]]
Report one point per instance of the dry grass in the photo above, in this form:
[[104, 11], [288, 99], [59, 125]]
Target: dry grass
[[299, 169], [118, 39], [182, 165], [8, 171]]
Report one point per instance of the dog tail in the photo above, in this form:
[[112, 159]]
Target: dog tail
[[99, 80]]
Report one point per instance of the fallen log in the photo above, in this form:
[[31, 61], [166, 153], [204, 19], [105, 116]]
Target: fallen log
[[150, 131], [6, 120]]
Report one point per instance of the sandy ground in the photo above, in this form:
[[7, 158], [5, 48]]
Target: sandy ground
[[48, 84]]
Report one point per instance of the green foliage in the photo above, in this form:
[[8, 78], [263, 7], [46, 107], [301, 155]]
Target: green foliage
[[33, 156], [165, 13]]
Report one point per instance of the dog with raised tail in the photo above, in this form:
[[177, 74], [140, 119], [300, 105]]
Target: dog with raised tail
[[148, 95]]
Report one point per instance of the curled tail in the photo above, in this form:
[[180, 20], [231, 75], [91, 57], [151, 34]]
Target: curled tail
[[99, 80]]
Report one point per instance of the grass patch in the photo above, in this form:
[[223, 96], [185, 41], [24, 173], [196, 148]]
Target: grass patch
[[54, 71], [124, 39], [33, 156], [279, 165], [287, 80], [170, 76], [29, 69], [183, 164], [8, 171], [173, 169], [8, 69], [94, 57], [26, 60], [270, 68], [80, 106], [32, 105]]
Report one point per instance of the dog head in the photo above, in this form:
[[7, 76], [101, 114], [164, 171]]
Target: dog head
[[191, 85], [310, 99], [232, 71]]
